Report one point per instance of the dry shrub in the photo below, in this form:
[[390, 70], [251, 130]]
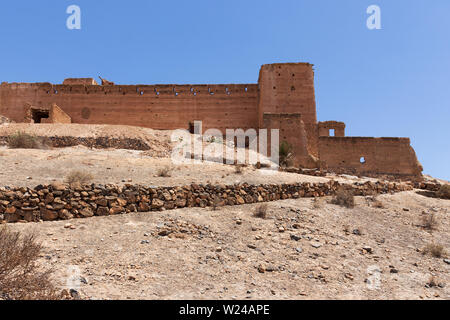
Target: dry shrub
[[78, 178], [20, 277], [317, 203], [261, 211], [22, 140], [344, 198], [164, 172], [215, 203], [429, 222], [444, 192], [239, 168], [378, 204], [432, 282], [286, 154], [436, 250]]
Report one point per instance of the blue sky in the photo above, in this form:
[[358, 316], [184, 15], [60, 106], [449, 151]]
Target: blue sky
[[390, 82]]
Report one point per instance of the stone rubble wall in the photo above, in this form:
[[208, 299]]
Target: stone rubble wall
[[90, 142], [60, 202]]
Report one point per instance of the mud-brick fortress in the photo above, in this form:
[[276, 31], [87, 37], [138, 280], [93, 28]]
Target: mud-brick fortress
[[282, 99]]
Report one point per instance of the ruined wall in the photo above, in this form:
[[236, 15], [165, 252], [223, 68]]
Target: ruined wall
[[369, 156], [326, 127], [57, 115], [152, 106], [82, 81], [289, 88]]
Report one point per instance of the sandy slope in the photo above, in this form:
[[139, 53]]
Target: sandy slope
[[217, 258]]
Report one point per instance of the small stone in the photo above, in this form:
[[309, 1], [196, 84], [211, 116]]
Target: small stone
[[295, 237], [75, 294], [316, 245], [299, 250], [219, 249], [367, 249], [447, 261], [281, 229]]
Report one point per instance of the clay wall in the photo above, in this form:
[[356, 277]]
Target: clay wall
[[152, 106], [369, 156]]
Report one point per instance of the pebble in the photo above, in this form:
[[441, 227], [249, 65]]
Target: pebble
[[316, 245], [299, 250], [368, 249], [447, 261]]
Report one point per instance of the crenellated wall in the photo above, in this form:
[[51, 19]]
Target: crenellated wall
[[153, 106]]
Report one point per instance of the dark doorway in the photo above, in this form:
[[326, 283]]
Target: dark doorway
[[37, 115]]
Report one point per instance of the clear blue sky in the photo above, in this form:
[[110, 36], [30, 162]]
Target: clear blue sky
[[390, 82]]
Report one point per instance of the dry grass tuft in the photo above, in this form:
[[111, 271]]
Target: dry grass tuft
[[78, 178], [436, 250], [165, 172], [261, 211], [215, 203], [432, 282], [429, 222], [239, 169], [318, 203], [444, 192], [20, 277], [344, 198], [22, 140]]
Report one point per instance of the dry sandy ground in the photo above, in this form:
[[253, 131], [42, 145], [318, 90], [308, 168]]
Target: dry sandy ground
[[216, 254], [32, 167]]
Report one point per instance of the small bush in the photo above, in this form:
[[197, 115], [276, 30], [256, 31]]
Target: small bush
[[344, 198], [436, 250], [429, 222], [164, 172], [286, 154], [22, 140], [378, 204], [317, 203], [239, 169], [261, 211], [20, 277], [432, 282], [444, 192], [78, 178]]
